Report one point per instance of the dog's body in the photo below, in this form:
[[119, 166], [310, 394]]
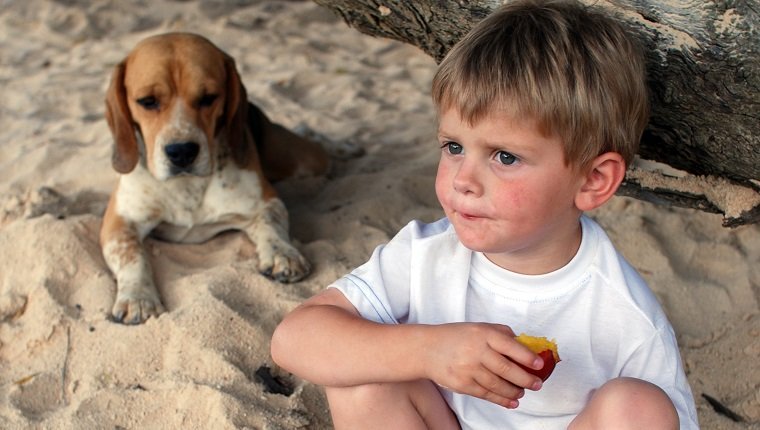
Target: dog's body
[[196, 159]]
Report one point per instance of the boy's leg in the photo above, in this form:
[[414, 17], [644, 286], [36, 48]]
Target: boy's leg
[[407, 405], [627, 403]]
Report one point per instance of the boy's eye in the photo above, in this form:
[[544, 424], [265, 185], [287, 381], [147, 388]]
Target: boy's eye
[[506, 158], [453, 148]]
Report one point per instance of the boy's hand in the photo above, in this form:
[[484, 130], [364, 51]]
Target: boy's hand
[[479, 359]]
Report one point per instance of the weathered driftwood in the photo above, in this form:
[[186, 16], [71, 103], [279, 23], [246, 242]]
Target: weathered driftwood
[[703, 61]]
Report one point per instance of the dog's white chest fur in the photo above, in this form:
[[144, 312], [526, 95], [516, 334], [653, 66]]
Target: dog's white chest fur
[[190, 209]]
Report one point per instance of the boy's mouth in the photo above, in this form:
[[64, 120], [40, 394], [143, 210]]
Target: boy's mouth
[[467, 216]]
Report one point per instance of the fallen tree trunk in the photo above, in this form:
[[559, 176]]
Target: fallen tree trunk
[[703, 63]]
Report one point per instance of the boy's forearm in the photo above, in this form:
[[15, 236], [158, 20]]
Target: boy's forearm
[[330, 346]]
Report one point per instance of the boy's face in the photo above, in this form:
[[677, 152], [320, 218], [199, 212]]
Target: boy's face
[[508, 192]]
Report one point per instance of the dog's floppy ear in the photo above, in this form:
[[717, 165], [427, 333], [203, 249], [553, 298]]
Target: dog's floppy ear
[[236, 115], [125, 153]]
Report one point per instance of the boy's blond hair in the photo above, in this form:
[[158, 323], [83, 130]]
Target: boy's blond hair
[[568, 66]]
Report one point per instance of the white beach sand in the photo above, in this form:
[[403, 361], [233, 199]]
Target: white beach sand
[[65, 365]]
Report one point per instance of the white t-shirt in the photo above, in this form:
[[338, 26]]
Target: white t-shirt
[[605, 320]]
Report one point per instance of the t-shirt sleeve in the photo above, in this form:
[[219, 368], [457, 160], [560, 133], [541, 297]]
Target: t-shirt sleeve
[[379, 289], [658, 362]]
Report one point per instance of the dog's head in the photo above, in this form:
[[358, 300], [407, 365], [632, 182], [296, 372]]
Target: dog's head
[[172, 101]]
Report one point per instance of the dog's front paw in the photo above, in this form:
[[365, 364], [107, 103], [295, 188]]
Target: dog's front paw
[[283, 263], [136, 308]]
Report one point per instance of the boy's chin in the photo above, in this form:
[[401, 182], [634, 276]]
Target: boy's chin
[[474, 244]]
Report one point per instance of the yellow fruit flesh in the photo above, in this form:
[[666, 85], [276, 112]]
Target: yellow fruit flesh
[[539, 344]]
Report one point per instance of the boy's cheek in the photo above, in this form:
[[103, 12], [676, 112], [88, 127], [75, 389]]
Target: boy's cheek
[[441, 188]]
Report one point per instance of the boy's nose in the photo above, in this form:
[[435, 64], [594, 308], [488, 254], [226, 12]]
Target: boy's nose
[[466, 180]]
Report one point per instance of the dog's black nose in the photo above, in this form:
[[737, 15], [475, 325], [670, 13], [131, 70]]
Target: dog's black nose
[[182, 154]]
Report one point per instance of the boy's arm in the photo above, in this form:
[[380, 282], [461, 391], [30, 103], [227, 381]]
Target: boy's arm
[[327, 342]]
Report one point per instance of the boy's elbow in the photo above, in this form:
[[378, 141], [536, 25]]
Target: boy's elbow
[[294, 337]]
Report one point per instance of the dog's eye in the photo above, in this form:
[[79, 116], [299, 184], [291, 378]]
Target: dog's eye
[[207, 100], [149, 103]]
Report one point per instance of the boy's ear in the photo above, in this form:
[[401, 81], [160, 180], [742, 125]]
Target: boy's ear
[[601, 181]]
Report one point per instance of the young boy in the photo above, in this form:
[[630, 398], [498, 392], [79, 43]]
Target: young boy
[[541, 108]]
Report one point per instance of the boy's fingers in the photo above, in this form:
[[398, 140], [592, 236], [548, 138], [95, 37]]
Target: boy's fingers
[[494, 384], [508, 331], [506, 402], [510, 372], [515, 351]]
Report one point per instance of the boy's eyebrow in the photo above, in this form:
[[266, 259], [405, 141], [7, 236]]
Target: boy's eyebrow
[[443, 133], [495, 144], [511, 146]]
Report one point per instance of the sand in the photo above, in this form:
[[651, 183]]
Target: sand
[[205, 363]]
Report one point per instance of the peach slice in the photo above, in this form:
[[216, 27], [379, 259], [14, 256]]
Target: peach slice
[[546, 349]]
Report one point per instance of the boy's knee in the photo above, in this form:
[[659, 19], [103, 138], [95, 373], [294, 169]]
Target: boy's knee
[[360, 394], [362, 403], [628, 403], [372, 395], [416, 404]]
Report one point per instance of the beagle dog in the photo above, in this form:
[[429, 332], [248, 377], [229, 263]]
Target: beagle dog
[[195, 158]]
